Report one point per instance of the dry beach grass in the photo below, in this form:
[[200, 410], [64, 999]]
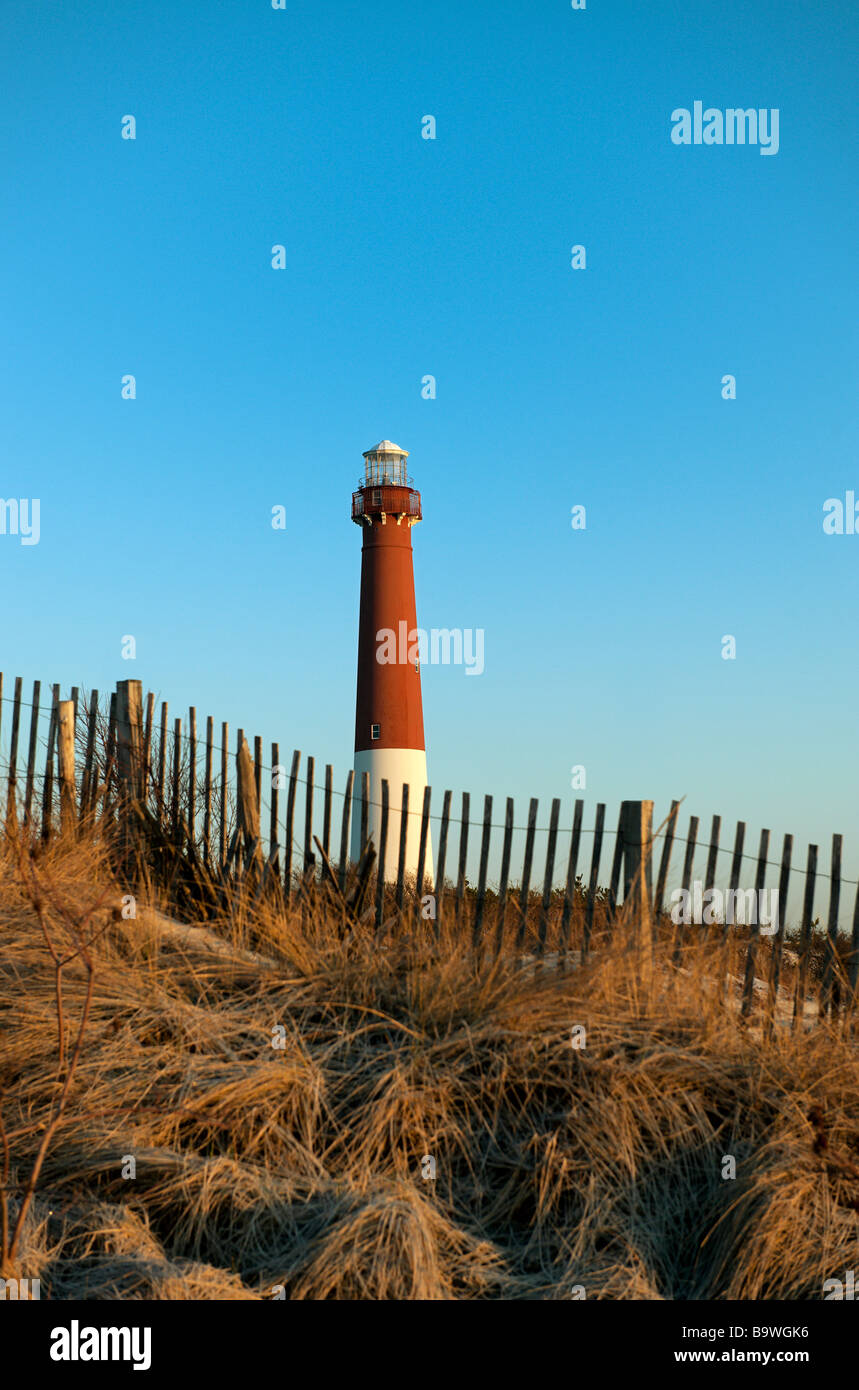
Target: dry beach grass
[[297, 1167]]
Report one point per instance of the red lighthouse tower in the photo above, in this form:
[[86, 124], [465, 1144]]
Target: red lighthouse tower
[[389, 721]]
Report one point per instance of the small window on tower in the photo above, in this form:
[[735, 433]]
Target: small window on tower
[[375, 731], [377, 497]]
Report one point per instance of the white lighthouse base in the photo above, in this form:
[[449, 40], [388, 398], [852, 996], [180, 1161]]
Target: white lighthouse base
[[397, 765]]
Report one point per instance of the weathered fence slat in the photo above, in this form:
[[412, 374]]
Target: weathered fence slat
[[222, 834], [778, 939], [664, 862], [710, 873], [11, 795], [832, 964], [805, 932], [177, 770], [712, 857], [614, 882], [31, 752], [526, 872], [162, 757], [247, 802], [273, 847], [463, 854], [736, 870], [551, 845], [207, 792], [592, 884], [192, 771], [90, 776], [66, 760], [110, 754], [689, 856], [309, 856], [290, 821], [854, 953], [326, 811], [365, 811], [572, 865], [401, 858], [383, 845], [442, 857], [754, 934], [636, 834], [129, 713], [48, 787], [147, 746], [258, 768], [344, 831], [480, 905], [505, 876], [422, 849]]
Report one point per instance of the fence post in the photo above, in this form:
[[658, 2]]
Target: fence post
[[66, 755], [247, 804], [129, 723], [636, 820]]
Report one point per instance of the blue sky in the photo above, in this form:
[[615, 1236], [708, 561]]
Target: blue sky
[[555, 387]]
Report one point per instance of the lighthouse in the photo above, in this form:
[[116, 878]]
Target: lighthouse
[[389, 720]]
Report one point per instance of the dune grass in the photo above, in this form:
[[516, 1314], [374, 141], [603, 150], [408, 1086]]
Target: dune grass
[[279, 1099]]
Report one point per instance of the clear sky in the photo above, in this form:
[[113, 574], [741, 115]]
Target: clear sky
[[407, 257]]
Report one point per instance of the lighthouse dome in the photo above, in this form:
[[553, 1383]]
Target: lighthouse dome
[[387, 446]]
